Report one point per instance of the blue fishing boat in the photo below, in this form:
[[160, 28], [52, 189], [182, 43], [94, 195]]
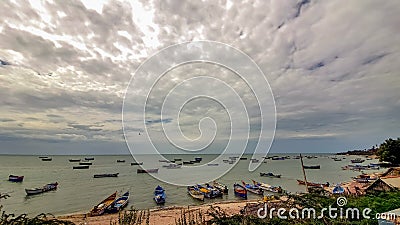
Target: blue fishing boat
[[338, 189], [240, 191], [255, 189], [119, 203], [159, 195]]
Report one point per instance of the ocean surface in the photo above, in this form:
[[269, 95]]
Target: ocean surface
[[78, 191]]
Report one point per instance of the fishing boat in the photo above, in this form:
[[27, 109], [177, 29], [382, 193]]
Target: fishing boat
[[267, 187], [46, 159], [357, 160], [312, 167], [243, 158], [195, 193], [159, 195], [74, 160], [187, 162], [147, 170], [255, 189], [80, 167], [14, 178], [209, 191], [120, 160], [255, 160], [270, 175], [42, 157], [100, 208], [240, 191], [198, 159], [85, 163], [212, 164], [278, 158], [221, 187], [118, 204], [338, 189], [136, 163], [312, 184], [105, 175], [89, 158], [173, 166], [45, 188]]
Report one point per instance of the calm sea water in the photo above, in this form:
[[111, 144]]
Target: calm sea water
[[78, 191]]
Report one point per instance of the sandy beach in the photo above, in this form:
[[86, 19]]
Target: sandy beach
[[163, 215]]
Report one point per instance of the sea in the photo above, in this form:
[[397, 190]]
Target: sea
[[78, 191]]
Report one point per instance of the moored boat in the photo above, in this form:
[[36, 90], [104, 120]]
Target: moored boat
[[338, 189], [195, 193], [14, 178], [74, 160], [187, 162], [357, 160], [312, 167], [118, 204], [45, 188], [159, 195], [209, 191], [89, 158], [221, 187], [267, 187], [136, 163], [269, 174], [46, 159], [172, 166], [255, 189], [105, 175], [120, 160], [100, 208], [212, 164], [240, 191], [147, 170], [80, 167], [85, 163], [198, 159], [312, 184]]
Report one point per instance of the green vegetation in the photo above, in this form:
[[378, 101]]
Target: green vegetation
[[389, 151], [133, 217], [46, 219]]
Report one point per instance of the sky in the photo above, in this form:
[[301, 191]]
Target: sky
[[332, 66]]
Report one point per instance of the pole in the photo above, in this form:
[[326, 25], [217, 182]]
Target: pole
[[304, 172]]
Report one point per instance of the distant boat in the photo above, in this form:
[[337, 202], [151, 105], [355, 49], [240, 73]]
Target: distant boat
[[74, 160], [243, 158], [255, 189], [255, 160], [178, 159], [270, 175], [221, 187], [89, 158], [278, 158], [14, 178], [80, 167], [120, 160], [195, 193], [172, 166], [43, 157], [187, 162], [198, 159], [240, 191], [46, 188], [336, 159], [86, 163], [358, 160], [147, 170], [267, 187], [136, 163], [312, 167], [212, 164], [159, 195], [105, 175], [119, 203], [311, 184], [100, 208], [338, 189], [47, 159]]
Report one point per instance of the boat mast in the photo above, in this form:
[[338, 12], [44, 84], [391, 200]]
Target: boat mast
[[304, 172]]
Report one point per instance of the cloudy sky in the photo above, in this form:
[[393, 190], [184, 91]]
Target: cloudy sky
[[333, 67]]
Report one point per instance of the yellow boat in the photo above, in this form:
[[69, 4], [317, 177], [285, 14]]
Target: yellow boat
[[102, 206]]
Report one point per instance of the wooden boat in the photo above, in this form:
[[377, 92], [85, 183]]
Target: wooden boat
[[240, 191], [120, 160], [74, 160], [278, 158], [187, 162], [270, 175], [209, 191], [254, 160], [46, 159], [358, 160], [80, 167], [195, 193], [105, 175], [43, 157], [243, 158], [100, 208], [338, 189], [89, 158], [136, 163], [172, 166], [212, 164], [147, 170], [255, 189], [159, 195], [198, 159], [86, 163], [14, 178], [312, 184], [312, 167], [118, 204], [45, 188], [267, 187], [221, 187]]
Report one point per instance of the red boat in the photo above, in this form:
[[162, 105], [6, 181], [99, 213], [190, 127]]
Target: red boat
[[13, 178], [311, 184]]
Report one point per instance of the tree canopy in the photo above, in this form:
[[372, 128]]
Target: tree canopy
[[389, 151]]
